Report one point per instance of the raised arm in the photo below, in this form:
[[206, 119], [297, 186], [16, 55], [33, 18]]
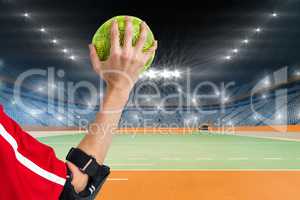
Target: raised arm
[[120, 72]]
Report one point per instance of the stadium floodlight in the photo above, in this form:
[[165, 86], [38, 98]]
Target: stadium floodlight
[[43, 30], [255, 117], [65, 50], [278, 116], [266, 82], [166, 74], [54, 41], [274, 14], [297, 73], [257, 30], [225, 99], [60, 118], [194, 100], [158, 107], [72, 57], [40, 89], [176, 74], [26, 14], [151, 74], [136, 116], [246, 41], [235, 50], [33, 112], [228, 57]]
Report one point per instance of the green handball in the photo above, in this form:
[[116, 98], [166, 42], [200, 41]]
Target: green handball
[[101, 39]]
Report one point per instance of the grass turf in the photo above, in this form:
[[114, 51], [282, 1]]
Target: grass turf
[[191, 152]]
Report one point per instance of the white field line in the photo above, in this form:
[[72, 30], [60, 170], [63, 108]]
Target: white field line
[[131, 164], [240, 158], [204, 159], [137, 159], [170, 159], [219, 143], [229, 170], [272, 158], [200, 159], [271, 137], [117, 179]]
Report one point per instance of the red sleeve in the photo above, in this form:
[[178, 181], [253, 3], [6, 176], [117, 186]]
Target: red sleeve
[[28, 168]]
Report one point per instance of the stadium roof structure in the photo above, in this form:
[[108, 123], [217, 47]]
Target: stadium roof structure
[[218, 41]]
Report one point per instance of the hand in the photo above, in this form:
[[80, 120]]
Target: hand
[[121, 70], [79, 180]]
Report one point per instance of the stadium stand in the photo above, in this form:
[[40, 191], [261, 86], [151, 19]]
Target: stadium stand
[[239, 111]]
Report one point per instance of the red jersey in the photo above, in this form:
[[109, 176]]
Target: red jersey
[[28, 169]]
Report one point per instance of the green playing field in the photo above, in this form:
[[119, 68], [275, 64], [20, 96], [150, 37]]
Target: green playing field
[[191, 152]]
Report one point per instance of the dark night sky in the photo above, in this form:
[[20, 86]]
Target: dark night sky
[[190, 34]]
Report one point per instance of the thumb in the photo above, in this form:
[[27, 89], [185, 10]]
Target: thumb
[[79, 180]]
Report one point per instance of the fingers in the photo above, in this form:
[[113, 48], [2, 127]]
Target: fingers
[[150, 52], [79, 180], [143, 36], [114, 37], [128, 33], [96, 63]]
